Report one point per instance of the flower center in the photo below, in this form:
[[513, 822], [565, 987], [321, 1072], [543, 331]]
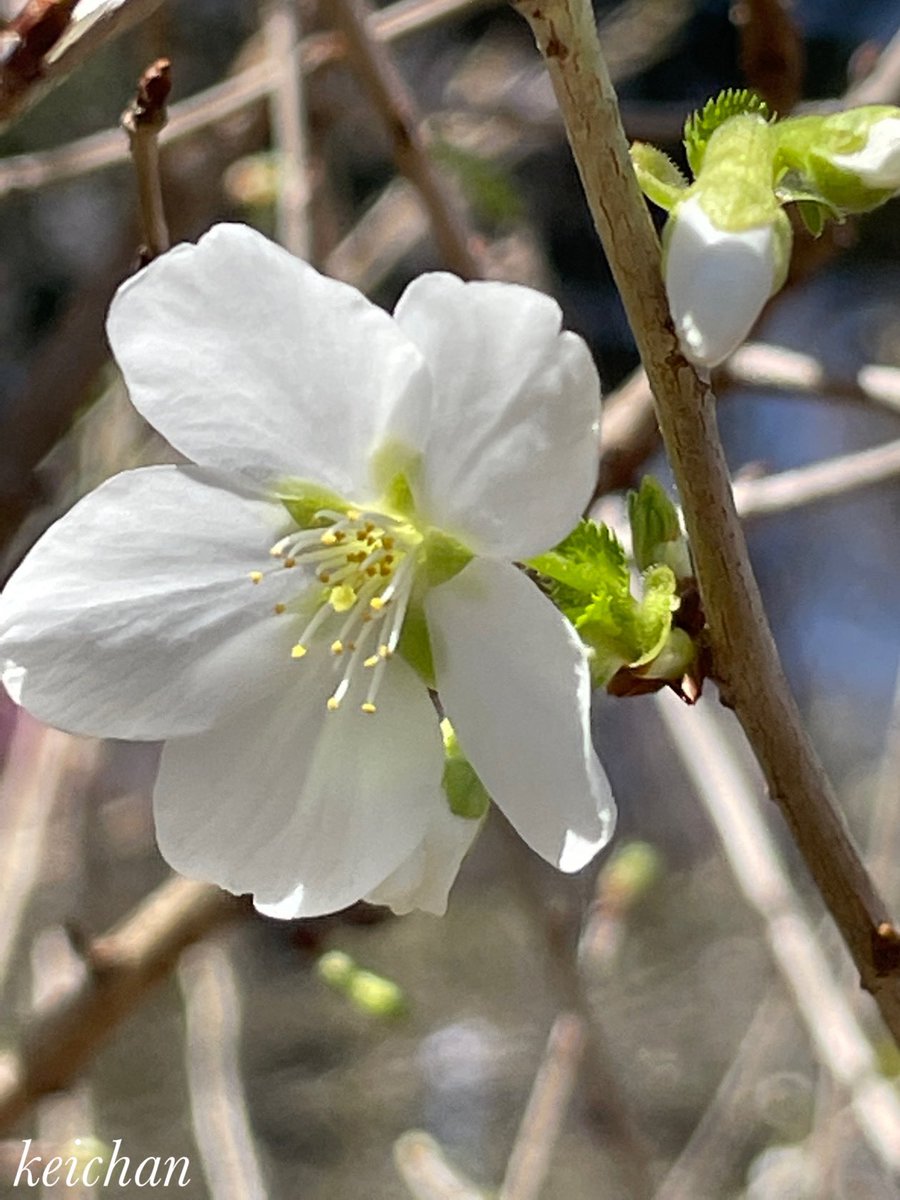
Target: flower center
[[365, 563]]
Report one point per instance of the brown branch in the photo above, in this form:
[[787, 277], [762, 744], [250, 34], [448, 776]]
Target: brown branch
[[143, 120], [746, 660], [820, 481], [122, 966], [392, 100]]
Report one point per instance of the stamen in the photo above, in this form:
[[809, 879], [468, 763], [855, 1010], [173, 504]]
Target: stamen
[[280, 608], [337, 647], [256, 576], [368, 707]]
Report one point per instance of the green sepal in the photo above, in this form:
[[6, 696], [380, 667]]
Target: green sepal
[[398, 497], [655, 529], [442, 557], [659, 178], [702, 124], [415, 642], [304, 500], [466, 794]]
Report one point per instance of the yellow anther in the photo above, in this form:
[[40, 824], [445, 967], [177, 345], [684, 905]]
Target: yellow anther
[[371, 572], [385, 569], [256, 576], [280, 608], [328, 538], [333, 704], [361, 535], [342, 598], [368, 707], [290, 562], [353, 514], [298, 651], [388, 543], [325, 577], [377, 604], [384, 651], [337, 647], [371, 661]]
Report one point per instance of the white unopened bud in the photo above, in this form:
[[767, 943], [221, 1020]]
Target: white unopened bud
[[877, 163], [718, 280]]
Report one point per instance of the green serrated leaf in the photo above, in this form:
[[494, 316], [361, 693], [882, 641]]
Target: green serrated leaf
[[700, 125], [590, 560]]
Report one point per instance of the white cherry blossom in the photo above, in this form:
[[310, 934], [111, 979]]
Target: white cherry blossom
[[360, 487]]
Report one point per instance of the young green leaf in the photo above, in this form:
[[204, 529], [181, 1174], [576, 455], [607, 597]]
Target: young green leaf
[[700, 125]]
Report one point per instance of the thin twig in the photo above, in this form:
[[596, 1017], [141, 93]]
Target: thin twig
[[820, 481], [703, 744], [143, 120], [745, 658], [760, 365], [529, 1162], [43, 767], [882, 84], [218, 1106], [80, 42], [281, 26], [392, 100], [122, 966], [422, 1166]]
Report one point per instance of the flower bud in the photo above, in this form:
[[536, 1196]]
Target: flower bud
[[851, 158], [718, 279]]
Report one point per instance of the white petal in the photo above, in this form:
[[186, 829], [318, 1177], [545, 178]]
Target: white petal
[[134, 615], [878, 163], [424, 880], [307, 809], [512, 456], [717, 282], [249, 360], [513, 678]]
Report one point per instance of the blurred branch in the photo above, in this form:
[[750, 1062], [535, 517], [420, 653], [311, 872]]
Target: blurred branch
[[745, 658], [281, 28], [760, 365], [820, 481], [423, 1168], [43, 768], [143, 120], [251, 86], [122, 966], [882, 84], [219, 1113], [394, 103], [722, 1134], [81, 40], [729, 796], [529, 1162]]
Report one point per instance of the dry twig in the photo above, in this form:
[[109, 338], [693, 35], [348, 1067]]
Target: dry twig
[[703, 744], [122, 966], [281, 26], [395, 105], [820, 481], [143, 120]]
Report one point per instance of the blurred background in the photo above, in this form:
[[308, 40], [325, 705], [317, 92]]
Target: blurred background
[[682, 1018]]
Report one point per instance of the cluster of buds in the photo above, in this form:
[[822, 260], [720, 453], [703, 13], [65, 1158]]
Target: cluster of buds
[[727, 242]]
